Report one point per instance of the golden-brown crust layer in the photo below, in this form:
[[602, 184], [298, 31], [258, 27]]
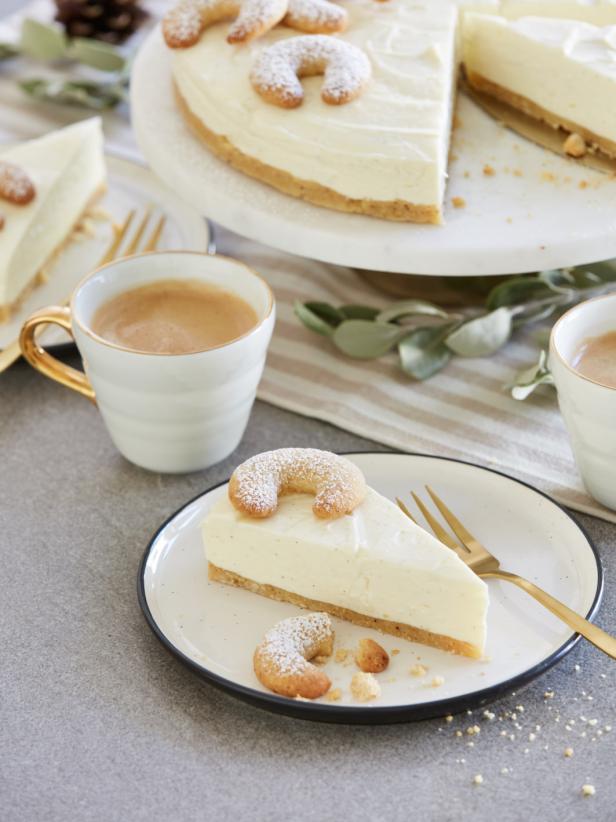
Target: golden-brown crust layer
[[311, 192], [511, 98], [398, 629]]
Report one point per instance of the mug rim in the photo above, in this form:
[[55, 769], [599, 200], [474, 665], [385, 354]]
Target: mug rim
[[97, 338], [554, 347]]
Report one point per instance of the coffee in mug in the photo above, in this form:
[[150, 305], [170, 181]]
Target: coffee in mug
[[174, 317]]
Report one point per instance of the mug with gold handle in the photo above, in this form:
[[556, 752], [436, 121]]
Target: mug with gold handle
[[170, 413]]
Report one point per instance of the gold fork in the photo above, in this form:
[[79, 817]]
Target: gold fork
[[12, 352], [485, 565]]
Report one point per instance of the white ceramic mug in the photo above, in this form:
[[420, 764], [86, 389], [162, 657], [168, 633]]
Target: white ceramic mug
[[588, 407], [165, 412]]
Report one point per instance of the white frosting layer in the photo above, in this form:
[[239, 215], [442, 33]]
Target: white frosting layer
[[565, 66], [389, 144], [67, 167], [599, 12], [374, 561]]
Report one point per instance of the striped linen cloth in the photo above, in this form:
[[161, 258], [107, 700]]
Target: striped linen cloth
[[463, 412]]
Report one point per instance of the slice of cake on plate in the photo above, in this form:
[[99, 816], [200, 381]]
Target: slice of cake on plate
[[562, 72], [66, 172], [364, 562], [383, 154]]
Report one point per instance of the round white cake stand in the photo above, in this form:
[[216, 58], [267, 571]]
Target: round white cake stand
[[536, 211]]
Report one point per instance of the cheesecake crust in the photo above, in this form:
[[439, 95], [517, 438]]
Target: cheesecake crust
[[311, 192], [398, 629], [511, 98]]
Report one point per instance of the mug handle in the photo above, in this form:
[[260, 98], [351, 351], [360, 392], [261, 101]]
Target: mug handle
[[43, 361]]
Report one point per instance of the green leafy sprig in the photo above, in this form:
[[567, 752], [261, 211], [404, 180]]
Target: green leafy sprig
[[427, 336], [48, 43]]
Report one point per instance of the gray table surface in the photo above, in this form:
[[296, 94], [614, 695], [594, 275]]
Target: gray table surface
[[99, 722]]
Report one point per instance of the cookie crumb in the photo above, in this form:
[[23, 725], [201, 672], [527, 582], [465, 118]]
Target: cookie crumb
[[568, 752], [478, 779], [574, 145], [581, 184], [418, 670], [588, 790], [395, 651], [449, 718], [437, 681], [341, 654], [334, 696], [488, 170], [458, 202], [364, 687]]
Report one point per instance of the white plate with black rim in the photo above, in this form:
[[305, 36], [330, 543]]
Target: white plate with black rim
[[214, 629]]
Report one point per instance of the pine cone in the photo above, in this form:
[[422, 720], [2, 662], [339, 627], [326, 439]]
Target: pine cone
[[109, 20]]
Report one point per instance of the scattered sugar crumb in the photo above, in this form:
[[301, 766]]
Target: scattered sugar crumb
[[581, 184], [588, 790], [458, 202], [437, 681], [459, 733], [478, 779], [488, 170], [473, 729], [341, 654], [395, 651], [364, 687], [489, 715], [548, 695], [449, 718], [467, 175], [418, 670], [334, 695], [517, 172], [547, 176]]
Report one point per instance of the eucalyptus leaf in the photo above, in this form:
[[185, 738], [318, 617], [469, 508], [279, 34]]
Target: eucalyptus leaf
[[605, 272], [366, 340], [42, 41], [359, 312], [516, 291], [535, 312], [483, 335], [408, 308], [423, 352], [312, 320], [559, 280], [96, 54], [97, 96], [8, 50], [332, 315], [527, 380]]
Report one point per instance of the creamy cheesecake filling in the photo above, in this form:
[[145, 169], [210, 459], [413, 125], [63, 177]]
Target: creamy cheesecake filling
[[565, 67], [374, 561], [68, 169], [389, 144]]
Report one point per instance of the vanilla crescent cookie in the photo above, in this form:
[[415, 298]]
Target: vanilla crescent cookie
[[315, 16], [338, 485], [277, 69], [185, 22], [281, 660], [15, 184]]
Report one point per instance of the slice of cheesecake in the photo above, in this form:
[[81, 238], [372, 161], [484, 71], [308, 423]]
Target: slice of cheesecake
[[562, 72], [383, 154], [373, 567], [67, 169]]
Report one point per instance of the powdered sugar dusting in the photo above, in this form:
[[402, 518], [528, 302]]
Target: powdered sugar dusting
[[315, 16], [291, 643], [183, 24], [15, 184], [256, 484], [276, 70]]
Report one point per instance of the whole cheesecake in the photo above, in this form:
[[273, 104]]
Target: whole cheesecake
[[383, 154], [67, 171]]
